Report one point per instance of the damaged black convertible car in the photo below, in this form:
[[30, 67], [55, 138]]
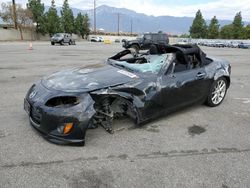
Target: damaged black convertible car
[[64, 105]]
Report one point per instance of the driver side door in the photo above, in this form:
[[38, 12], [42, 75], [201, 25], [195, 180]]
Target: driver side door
[[182, 86]]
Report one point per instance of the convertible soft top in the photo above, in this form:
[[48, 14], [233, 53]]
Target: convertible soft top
[[162, 49], [180, 49]]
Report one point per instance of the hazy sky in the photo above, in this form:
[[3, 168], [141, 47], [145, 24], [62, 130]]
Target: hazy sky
[[223, 9]]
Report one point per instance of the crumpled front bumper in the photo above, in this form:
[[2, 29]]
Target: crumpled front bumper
[[48, 120], [57, 139]]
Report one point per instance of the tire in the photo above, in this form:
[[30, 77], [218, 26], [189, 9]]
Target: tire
[[135, 47], [217, 92], [52, 43], [70, 42], [61, 42]]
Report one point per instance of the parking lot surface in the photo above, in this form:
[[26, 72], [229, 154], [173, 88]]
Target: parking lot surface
[[195, 147]]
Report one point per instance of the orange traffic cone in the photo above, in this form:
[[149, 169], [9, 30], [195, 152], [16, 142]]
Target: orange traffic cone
[[30, 46]]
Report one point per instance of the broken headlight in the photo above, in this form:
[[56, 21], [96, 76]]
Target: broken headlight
[[63, 101]]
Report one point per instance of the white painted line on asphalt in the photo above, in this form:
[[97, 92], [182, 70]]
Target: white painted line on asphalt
[[244, 100]]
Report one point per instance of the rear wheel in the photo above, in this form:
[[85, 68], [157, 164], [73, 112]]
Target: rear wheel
[[217, 92], [70, 42], [52, 43]]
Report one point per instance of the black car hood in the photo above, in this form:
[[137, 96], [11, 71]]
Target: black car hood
[[87, 79]]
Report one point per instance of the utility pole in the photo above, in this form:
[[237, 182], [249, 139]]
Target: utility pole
[[14, 13], [95, 16], [131, 27], [118, 24]]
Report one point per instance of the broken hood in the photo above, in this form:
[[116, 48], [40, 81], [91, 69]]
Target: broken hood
[[87, 79]]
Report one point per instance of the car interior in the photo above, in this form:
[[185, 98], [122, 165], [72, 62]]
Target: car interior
[[152, 61], [186, 62]]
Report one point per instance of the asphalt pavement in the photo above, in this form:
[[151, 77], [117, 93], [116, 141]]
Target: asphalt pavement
[[195, 147]]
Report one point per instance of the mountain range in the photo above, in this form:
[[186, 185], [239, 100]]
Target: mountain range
[[107, 19]]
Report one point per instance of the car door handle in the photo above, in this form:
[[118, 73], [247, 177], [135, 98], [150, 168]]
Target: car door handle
[[200, 75]]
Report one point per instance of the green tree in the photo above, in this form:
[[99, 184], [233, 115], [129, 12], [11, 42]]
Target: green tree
[[37, 9], [184, 35], [67, 18], [79, 25], [53, 24], [213, 28], [199, 27], [227, 32], [238, 30], [247, 32], [86, 25]]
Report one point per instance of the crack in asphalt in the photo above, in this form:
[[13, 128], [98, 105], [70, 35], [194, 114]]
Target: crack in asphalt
[[153, 155]]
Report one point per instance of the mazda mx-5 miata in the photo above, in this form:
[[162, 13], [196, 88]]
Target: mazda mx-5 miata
[[142, 86]]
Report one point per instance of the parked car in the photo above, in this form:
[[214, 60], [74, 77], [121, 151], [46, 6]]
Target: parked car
[[219, 44], [234, 44], [62, 38], [244, 45], [184, 41], [62, 106], [101, 39], [146, 40], [94, 39], [117, 41]]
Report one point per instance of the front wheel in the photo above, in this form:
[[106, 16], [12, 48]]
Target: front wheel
[[70, 42], [217, 92]]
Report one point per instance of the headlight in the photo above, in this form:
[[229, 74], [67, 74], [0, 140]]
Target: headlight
[[62, 101], [65, 128]]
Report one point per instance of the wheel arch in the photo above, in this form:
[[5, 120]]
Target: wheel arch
[[134, 101], [228, 80], [223, 73]]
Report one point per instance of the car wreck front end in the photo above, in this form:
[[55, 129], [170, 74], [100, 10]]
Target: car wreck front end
[[64, 105], [60, 117]]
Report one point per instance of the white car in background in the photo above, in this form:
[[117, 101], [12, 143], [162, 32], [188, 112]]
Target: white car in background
[[101, 39], [96, 39]]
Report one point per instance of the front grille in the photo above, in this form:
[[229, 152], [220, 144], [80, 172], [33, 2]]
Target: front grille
[[36, 115]]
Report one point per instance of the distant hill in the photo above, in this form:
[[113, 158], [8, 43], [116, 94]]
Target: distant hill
[[107, 19]]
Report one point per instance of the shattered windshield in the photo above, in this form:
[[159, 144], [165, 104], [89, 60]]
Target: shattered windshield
[[153, 63]]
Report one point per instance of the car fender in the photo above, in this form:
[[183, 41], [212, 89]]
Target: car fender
[[223, 71]]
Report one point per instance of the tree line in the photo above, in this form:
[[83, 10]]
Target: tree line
[[45, 22], [235, 30]]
